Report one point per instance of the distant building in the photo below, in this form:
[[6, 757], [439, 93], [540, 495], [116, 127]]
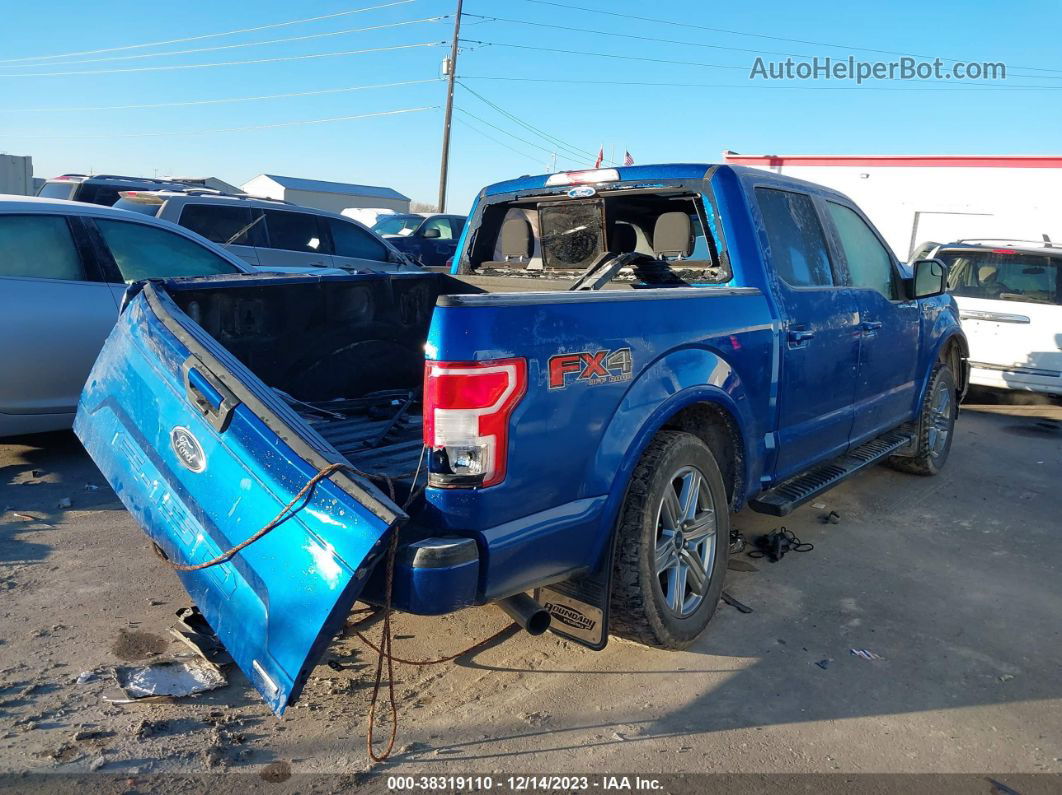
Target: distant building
[[913, 199], [332, 196], [213, 183], [16, 175]]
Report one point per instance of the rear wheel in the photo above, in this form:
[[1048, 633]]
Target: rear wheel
[[936, 426], [673, 541]]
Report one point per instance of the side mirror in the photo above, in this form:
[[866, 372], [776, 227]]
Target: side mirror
[[432, 234], [930, 278]]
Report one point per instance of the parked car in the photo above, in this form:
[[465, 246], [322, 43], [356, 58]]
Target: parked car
[[64, 268], [428, 239], [271, 232], [1010, 300], [103, 189], [733, 337]]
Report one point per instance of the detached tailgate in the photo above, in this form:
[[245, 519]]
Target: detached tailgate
[[204, 455]]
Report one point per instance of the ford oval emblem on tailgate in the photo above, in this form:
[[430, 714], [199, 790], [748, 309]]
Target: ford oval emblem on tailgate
[[187, 448]]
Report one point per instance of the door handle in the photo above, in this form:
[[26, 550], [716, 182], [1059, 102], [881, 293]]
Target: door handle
[[207, 394], [798, 338], [872, 325]]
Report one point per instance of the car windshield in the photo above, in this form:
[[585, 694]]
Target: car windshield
[[397, 225], [57, 190], [1004, 275]]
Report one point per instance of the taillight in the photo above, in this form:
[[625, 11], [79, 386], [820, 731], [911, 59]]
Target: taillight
[[467, 406]]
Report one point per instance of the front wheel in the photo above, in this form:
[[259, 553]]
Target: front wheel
[[936, 426], [671, 552]]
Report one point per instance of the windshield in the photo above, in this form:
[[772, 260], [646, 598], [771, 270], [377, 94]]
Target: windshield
[[146, 208], [1004, 275], [397, 225]]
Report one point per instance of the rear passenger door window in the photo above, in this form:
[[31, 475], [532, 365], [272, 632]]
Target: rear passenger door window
[[353, 242], [869, 262], [797, 243], [225, 225], [295, 232], [39, 247]]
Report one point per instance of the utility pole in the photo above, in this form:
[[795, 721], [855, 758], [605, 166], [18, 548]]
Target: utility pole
[[447, 118]]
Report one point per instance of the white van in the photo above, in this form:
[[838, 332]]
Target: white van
[[1010, 300]]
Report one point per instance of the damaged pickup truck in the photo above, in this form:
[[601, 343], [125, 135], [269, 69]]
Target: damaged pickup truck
[[619, 359]]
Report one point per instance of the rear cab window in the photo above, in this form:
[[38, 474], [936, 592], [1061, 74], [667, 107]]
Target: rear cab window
[[563, 236], [1004, 275], [60, 189], [796, 242]]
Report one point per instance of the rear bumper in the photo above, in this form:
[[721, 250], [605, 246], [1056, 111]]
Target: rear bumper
[[432, 576], [1018, 379]]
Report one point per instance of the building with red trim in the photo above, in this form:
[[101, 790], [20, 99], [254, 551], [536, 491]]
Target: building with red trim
[[916, 198]]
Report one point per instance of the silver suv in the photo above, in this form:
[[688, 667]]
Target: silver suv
[[269, 233]]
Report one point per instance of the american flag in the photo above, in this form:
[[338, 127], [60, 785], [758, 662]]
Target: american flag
[[600, 156], [628, 160]]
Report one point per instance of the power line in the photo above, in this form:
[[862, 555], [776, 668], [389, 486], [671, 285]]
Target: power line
[[557, 142], [790, 87], [234, 46], [503, 131], [173, 67], [208, 35], [489, 137], [224, 101], [633, 36], [167, 133], [606, 55], [694, 26], [781, 87]]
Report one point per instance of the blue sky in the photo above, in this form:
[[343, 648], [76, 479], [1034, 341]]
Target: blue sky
[[716, 107]]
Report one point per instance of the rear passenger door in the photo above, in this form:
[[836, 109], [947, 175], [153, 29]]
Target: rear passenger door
[[819, 334], [238, 229], [354, 247], [889, 325], [55, 313], [295, 239]]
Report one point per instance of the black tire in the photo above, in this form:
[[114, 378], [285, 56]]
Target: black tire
[[639, 606], [931, 453]]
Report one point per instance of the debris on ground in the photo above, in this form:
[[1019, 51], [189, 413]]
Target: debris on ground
[[776, 543], [737, 541], [91, 487], [830, 518], [730, 600], [178, 677], [824, 664], [194, 631], [866, 654], [1005, 677]]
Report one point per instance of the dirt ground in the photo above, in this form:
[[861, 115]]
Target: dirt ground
[[953, 582]]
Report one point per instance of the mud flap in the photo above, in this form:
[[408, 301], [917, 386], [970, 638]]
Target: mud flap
[[579, 606]]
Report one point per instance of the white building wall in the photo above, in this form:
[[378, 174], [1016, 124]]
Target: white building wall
[[913, 204], [16, 175], [337, 202]]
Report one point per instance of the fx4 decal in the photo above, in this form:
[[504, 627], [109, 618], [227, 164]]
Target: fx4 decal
[[601, 367]]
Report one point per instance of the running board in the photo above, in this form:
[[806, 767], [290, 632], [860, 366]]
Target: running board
[[791, 494]]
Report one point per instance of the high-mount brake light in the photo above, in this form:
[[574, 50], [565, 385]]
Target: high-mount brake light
[[140, 196], [467, 406], [1004, 251], [592, 176]]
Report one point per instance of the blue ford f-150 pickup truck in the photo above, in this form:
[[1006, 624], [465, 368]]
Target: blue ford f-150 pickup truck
[[732, 337]]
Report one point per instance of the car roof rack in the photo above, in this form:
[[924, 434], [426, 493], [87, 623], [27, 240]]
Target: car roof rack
[[187, 190], [978, 241]]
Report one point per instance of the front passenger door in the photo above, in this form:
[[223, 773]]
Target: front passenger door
[[889, 327]]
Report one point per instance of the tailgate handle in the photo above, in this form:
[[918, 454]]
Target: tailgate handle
[[212, 398]]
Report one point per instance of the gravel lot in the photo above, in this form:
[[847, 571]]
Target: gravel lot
[[954, 582]]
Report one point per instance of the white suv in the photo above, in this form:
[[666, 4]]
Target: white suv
[[270, 233], [1010, 300]]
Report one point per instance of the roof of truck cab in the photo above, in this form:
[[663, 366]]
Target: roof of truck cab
[[660, 171]]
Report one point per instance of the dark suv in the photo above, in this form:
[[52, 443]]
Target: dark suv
[[101, 188]]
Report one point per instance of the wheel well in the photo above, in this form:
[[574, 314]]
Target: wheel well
[[714, 426], [952, 355]]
